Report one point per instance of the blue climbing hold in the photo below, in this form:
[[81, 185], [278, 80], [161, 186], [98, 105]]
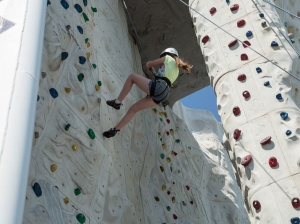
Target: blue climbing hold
[[284, 115], [274, 44], [258, 69], [78, 8], [279, 96], [82, 60], [261, 15], [48, 2], [37, 189], [53, 93], [64, 4], [85, 2], [288, 133], [80, 30], [38, 98], [249, 33], [227, 1], [267, 83], [64, 56], [295, 220]]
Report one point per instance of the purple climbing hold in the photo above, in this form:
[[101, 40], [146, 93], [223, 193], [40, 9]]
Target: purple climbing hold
[[82, 60]]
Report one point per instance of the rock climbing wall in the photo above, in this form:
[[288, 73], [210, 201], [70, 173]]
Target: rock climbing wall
[[154, 171], [257, 99]]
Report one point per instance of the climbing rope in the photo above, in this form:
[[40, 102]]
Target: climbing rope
[[281, 9], [238, 40]]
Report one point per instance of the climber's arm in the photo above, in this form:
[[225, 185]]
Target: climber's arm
[[155, 62]]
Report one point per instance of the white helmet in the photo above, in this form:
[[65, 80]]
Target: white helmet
[[170, 50]]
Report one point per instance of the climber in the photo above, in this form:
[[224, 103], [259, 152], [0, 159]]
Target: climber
[[157, 91]]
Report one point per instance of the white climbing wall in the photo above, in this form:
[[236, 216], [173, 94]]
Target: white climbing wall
[[254, 96], [161, 168]]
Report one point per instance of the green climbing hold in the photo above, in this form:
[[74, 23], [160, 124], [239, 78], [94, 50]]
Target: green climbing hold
[[161, 119], [80, 77], [99, 83], [80, 218], [86, 18], [171, 169], [94, 9], [285, 24], [168, 208], [160, 139], [91, 134], [86, 40], [292, 41], [94, 65], [77, 191], [67, 127], [162, 155], [177, 140]]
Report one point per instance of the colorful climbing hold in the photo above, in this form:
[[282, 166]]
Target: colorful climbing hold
[[53, 93], [85, 17], [80, 218], [161, 119], [234, 7], [168, 121], [53, 167], [94, 9], [266, 140], [77, 191], [267, 83], [67, 90], [75, 147], [261, 15], [205, 39], [156, 198], [242, 77], [273, 162], [212, 10], [66, 201], [168, 208], [172, 132], [168, 160], [295, 220], [37, 189], [256, 205], [174, 153], [94, 66], [236, 134], [246, 43], [82, 60], [241, 23], [232, 43], [246, 160], [187, 187], [64, 4], [284, 115], [173, 200], [244, 57], [64, 55], [171, 169], [78, 8], [88, 55], [279, 96], [163, 146], [80, 30], [191, 202], [296, 202], [175, 216], [168, 192], [162, 156], [246, 94], [288, 133], [48, 2], [91, 133], [274, 44], [97, 87], [236, 111], [84, 2], [249, 34], [154, 110], [67, 127], [163, 187], [80, 77], [86, 40], [167, 133], [258, 70]]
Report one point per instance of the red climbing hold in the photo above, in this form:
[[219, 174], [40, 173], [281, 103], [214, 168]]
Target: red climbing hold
[[175, 216], [212, 10], [246, 43], [168, 121], [191, 202], [273, 162], [296, 202], [168, 192], [246, 94], [266, 140], [174, 153], [205, 39], [232, 43], [187, 187], [244, 57], [236, 134], [256, 204], [242, 77], [236, 111], [234, 7], [241, 23], [246, 160], [167, 133]]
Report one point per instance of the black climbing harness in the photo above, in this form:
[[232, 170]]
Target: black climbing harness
[[152, 90]]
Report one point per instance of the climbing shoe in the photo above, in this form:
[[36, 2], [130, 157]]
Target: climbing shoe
[[111, 133], [113, 104]]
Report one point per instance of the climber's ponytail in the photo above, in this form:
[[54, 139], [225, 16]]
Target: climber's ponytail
[[183, 65]]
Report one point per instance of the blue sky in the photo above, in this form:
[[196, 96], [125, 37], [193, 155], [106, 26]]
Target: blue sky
[[203, 99]]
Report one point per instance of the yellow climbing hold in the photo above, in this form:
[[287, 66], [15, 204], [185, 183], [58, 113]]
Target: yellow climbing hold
[[168, 160], [66, 201], [163, 146], [161, 113], [154, 110], [173, 200], [172, 132], [166, 115], [163, 187], [88, 55], [97, 87], [158, 134], [67, 90], [88, 44], [53, 168], [75, 147]]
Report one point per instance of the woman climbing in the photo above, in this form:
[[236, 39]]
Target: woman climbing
[[158, 90]]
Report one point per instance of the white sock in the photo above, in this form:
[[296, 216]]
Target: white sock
[[117, 101]]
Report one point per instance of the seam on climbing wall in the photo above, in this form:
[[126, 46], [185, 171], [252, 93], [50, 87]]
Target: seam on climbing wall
[[274, 5]]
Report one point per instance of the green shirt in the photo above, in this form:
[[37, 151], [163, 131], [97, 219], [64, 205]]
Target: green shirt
[[169, 69]]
